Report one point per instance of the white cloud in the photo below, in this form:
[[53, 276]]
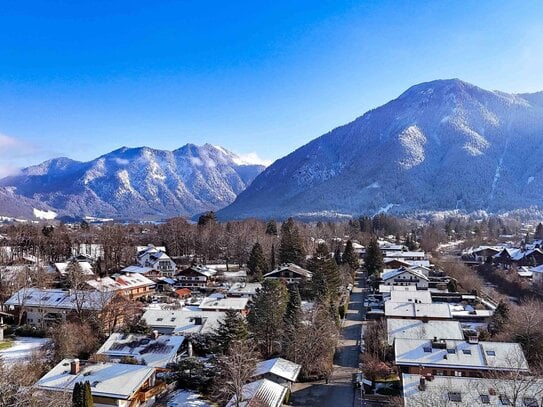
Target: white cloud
[[254, 159], [12, 149]]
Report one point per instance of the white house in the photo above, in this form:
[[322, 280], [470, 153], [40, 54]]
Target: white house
[[156, 257], [404, 276]]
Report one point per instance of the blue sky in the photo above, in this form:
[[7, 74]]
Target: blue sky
[[80, 79]]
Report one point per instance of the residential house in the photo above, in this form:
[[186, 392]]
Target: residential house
[[263, 393], [290, 272], [132, 286], [156, 258], [470, 391], [41, 307], [112, 384], [195, 276], [405, 276], [216, 302], [278, 370], [183, 322], [457, 357], [149, 272], [417, 329], [244, 290], [153, 350]]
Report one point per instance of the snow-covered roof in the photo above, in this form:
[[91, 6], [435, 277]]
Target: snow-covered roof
[[205, 271], [153, 352], [187, 398], [61, 299], [123, 282], [403, 255], [396, 272], [231, 303], [460, 353], [137, 269], [244, 288], [86, 268], [290, 267], [184, 321], [279, 367], [417, 329], [268, 394], [469, 391], [415, 296], [112, 380], [412, 310]]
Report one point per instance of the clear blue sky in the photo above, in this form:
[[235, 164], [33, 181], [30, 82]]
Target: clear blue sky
[[83, 78]]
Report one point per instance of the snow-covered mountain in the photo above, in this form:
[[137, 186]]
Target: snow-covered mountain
[[441, 145], [138, 183], [13, 205]]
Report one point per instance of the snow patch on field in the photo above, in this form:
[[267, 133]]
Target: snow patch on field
[[46, 215], [22, 349]]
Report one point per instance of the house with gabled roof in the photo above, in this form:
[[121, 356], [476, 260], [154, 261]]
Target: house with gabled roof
[[263, 393], [279, 370], [112, 384], [155, 257], [290, 273], [195, 276], [404, 276]]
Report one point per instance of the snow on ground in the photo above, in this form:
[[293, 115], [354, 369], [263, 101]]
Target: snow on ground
[[46, 215], [22, 349], [184, 398]]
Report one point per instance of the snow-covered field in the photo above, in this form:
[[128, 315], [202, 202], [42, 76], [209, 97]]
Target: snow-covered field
[[22, 349]]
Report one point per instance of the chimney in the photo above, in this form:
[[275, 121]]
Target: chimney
[[75, 367], [422, 383], [154, 334], [190, 352]]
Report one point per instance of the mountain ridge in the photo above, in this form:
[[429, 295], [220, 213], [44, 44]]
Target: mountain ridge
[[478, 143], [138, 183]]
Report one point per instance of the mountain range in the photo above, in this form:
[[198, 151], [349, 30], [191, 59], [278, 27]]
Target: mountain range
[[133, 183], [441, 145]]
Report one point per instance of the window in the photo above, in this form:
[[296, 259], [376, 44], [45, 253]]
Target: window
[[504, 400], [530, 402], [455, 396], [491, 353], [466, 351], [485, 399], [457, 374], [427, 348], [451, 351], [160, 319]]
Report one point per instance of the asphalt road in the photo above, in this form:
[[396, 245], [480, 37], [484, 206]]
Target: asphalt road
[[339, 392]]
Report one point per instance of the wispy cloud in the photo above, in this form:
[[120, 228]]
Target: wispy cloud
[[254, 159], [12, 149]]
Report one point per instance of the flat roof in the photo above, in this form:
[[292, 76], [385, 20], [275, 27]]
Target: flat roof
[[417, 329], [184, 321], [460, 354], [412, 310]]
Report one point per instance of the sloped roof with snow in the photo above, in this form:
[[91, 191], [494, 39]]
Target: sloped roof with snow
[[61, 299], [123, 282], [113, 380], [184, 321], [279, 367], [417, 329], [154, 352], [290, 267], [268, 393], [231, 303]]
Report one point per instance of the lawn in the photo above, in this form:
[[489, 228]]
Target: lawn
[[6, 345]]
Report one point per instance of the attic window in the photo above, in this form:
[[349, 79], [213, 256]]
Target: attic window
[[451, 350], [160, 319], [530, 402], [491, 353], [504, 400], [427, 349], [466, 351], [455, 396], [485, 399]]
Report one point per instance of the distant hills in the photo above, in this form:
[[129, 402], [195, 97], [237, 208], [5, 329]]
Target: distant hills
[[131, 183], [441, 145]]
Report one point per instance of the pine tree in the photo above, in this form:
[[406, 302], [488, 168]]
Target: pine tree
[[232, 328], [337, 256], [291, 249], [350, 257], [373, 259], [87, 395], [257, 263], [77, 399], [293, 309], [207, 218], [272, 257], [539, 232], [326, 279], [266, 315], [499, 318], [452, 286], [271, 228]]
